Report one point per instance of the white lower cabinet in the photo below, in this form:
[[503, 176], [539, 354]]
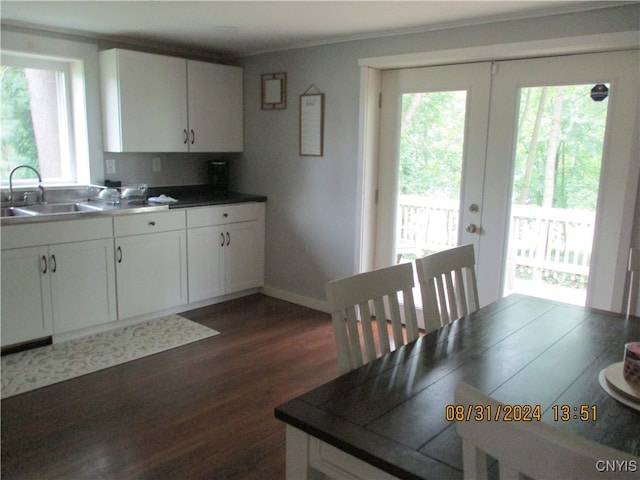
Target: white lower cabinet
[[62, 276], [226, 249], [64, 282], [26, 295], [82, 285], [151, 266], [206, 262], [244, 256]]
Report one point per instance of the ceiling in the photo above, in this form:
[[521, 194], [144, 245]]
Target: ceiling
[[241, 28]]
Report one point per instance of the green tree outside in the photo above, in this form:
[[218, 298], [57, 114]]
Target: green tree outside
[[579, 151], [432, 137], [18, 144]]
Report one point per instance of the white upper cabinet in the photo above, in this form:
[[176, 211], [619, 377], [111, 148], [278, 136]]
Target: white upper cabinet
[[144, 100], [215, 107], [154, 103]]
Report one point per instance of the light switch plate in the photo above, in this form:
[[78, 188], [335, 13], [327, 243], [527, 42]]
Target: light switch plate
[[111, 166]]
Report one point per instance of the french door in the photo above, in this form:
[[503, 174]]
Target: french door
[[409, 122], [531, 161]]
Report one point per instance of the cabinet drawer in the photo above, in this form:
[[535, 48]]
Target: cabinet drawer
[[49, 233], [221, 214], [142, 223]]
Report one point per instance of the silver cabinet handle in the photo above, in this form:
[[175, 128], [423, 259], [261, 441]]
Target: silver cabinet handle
[[228, 239], [186, 136], [193, 136], [54, 264], [119, 250], [222, 239], [44, 264]]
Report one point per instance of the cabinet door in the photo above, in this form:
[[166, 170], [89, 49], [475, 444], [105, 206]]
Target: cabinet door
[[206, 262], [151, 272], [26, 295], [215, 107], [82, 284], [144, 102], [244, 256]]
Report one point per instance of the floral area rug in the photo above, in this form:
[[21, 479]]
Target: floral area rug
[[39, 367]]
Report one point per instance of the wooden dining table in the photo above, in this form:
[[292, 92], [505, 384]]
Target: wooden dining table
[[395, 417]]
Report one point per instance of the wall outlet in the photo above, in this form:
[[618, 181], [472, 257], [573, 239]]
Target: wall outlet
[[157, 164], [111, 166]]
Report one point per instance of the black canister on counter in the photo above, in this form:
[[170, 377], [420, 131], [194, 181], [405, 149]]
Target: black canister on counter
[[218, 174]]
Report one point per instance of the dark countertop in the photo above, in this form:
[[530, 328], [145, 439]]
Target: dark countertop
[[201, 195]]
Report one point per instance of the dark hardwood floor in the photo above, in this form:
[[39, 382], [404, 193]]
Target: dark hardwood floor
[[204, 410]]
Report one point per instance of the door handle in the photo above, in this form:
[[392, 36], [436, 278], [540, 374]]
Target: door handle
[[471, 228], [119, 250], [222, 239], [228, 239], [193, 136], [186, 136], [54, 264], [44, 264]]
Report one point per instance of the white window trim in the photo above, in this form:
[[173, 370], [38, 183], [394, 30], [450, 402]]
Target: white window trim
[[85, 96], [67, 116]]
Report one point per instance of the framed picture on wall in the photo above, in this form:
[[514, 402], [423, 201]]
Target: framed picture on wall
[[274, 91], [312, 124]]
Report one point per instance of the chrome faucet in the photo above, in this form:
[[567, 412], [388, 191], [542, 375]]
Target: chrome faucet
[[40, 186]]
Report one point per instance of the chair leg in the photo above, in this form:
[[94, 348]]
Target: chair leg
[[474, 461]]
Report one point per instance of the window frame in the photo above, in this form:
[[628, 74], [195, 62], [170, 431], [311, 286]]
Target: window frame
[[69, 117]]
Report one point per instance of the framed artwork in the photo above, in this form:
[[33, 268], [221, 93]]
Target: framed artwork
[[274, 91], [311, 124]]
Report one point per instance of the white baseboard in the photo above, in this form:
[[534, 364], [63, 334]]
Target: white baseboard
[[63, 337], [83, 332], [296, 298], [213, 301], [271, 292]]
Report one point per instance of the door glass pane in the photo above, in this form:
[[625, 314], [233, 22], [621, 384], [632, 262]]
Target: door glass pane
[[555, 191], [431, 155]]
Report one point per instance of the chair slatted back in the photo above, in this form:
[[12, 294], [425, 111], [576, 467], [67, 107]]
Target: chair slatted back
[[350, 300], [448, 284], [536, 449], [634, 279]]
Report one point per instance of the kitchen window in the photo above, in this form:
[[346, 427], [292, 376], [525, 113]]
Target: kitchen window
[[37, 120]]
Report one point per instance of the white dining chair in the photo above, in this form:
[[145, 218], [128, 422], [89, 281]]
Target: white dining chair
[[533, 449], [350, 301], [448, 284], [634, 280]]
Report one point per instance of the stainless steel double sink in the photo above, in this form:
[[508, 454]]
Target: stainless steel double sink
[[18, 214], [49, 209]]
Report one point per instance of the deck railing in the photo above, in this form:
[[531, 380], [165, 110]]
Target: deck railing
[[426, 225], [544, 242]]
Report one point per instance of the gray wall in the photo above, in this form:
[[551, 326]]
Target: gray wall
[[311, 211]]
